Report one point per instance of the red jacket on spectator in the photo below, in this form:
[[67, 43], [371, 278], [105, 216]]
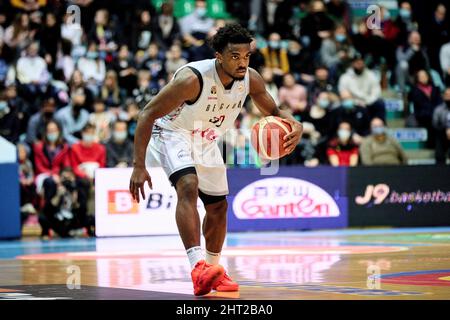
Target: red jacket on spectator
[[81, 153], [342, 152], [43, 163]]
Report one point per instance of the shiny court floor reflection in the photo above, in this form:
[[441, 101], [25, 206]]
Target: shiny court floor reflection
[[348, 264]]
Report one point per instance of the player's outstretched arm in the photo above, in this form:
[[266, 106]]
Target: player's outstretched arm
[[265, 103], [185, 87]]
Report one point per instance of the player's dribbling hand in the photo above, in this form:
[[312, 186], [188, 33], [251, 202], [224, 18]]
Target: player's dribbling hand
[[137, 182], [293, 138]]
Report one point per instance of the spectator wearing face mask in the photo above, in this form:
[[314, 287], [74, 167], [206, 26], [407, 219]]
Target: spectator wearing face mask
[[441, 123], [119, 149], [39, 120], [194, 30], [275, 55], [341, 150], [92, 68], [73, 118], [364, 87], [425, 97], [316, 25], [301, 62], [51, 154], [9, 120], [337, 51], [381, 149], [405, 22], [350, 111], [87, 154]]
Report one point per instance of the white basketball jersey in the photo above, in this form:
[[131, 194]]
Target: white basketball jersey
[[215, 109]]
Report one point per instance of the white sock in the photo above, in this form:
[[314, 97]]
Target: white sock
[[212, 258], [195, 255]]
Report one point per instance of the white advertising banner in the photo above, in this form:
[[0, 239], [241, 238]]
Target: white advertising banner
[[117, 214]]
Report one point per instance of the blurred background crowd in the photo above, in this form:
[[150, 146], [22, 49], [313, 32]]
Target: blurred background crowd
[[71, 86]]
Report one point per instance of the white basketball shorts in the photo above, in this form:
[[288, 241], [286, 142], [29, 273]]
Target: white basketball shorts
[[177, 150]]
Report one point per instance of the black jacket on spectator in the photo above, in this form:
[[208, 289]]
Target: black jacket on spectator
[[119, 152], [312, 24], [10, 124], [357, 117], [424, 105]]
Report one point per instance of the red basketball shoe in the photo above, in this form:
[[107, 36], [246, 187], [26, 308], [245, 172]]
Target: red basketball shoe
[[226, 284], [205, 276]]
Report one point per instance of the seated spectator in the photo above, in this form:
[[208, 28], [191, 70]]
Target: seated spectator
[[350, 111], [444, 57], [373, 47], [425, 97], [102, 119], [17, 104], [437, 34], [166, 27], [305, 152], [381, 149], [125, 69], [65, 60], [19, 34], [301, 62], [73, 117], [293, 95], [364, 87], [77, 83], [28, 197], [71, 31], [145, 90], [336, 52], [155, 64], [320, 116], [441, 123], [9, 120], [316, 25], [405, 23], [341, 150], [49, 38], [87, 155], [411, 58], [132, 109], [270, 85], [275, 55], [119, 150], [32, 73], [143, 32], [65, 206], [92, 68], [105, 34], [110, 92], [194, 31], [322, 82], [174, 59], [39, 121], [51, 155]]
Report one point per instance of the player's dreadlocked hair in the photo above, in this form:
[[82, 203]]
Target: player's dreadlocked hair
[[230, 33]]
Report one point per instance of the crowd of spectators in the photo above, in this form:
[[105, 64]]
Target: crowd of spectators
[[71, 89]]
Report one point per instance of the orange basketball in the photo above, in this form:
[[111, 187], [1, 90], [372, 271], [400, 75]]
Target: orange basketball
[[267, 137]]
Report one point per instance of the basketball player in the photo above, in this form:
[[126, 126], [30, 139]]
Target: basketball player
[[184, 121]]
